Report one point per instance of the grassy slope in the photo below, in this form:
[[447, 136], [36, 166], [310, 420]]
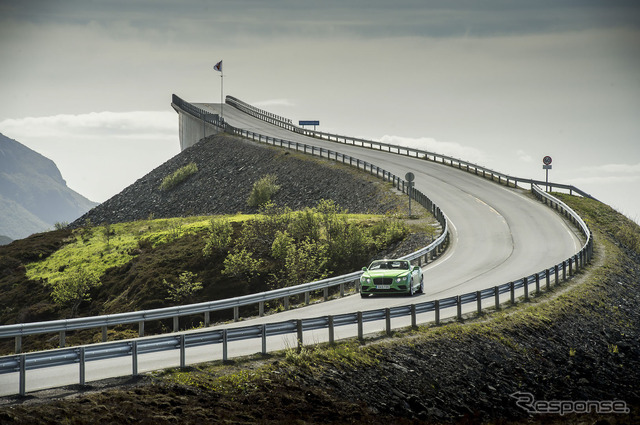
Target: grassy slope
[[131, 260]]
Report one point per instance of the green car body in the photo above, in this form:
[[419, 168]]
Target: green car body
[[391, 277]]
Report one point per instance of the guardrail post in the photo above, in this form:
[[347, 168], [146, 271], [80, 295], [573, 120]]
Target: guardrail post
[[414, 321], [134, 357], [82, 365], [547, 279], [22, 379], [236, 313], [141, 328], [479, 301], [459, 307], [526, 288], [331, 330], [341, 290], [512, 289], [360, 327], [557, 273], [207, 319], [104, 334], [261, 308], [387, 320], [570, 266], [326, 293], [263, 334], [564, 271], [286, 303], [18, 344], [62, 339], [496, 293], [176, 323], [299, 331], [436, 307], [183, 352], [306, 298], [537, 283], [225, 344]]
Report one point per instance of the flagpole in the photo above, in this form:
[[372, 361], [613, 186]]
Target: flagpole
[[221, 94]]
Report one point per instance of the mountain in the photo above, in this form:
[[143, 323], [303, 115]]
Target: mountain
[[33, 194]]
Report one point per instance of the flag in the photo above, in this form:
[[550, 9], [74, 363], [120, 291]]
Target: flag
[[218, 66]]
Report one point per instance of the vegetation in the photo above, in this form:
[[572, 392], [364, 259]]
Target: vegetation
[[184, 289], [178, 176], [263, 190], [154, 263]]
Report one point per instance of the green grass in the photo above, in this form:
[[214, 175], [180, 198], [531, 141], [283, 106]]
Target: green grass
[[178, 176]]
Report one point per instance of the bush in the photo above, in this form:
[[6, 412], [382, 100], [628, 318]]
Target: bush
[[263, 190], [220, 231], [178, 176], [184, 289]]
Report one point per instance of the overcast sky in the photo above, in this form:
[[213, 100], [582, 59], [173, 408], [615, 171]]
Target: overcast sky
[[502, 83]]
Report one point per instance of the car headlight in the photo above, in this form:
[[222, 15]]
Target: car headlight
[[365, 279], [402, 278]]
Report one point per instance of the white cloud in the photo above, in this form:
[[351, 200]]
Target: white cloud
[[136, 124], [100, 153], [274, 102], [454, 150], [524, 156]]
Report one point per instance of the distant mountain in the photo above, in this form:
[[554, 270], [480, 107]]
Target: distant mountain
[[33, 194]]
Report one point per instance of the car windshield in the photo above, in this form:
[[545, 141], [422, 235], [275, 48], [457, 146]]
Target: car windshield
[[397, 265]]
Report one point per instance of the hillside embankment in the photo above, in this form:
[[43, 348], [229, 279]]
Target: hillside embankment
[[227, 167], [578, 343]]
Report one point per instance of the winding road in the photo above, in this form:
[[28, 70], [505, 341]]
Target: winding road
[[498, 234]]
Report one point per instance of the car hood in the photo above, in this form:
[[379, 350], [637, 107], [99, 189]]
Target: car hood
[[386, 273]]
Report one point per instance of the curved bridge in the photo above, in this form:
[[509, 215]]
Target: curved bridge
[[497, 234]]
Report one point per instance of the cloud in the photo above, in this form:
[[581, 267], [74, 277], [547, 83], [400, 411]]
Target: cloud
[[454, 150], [100, 153], [608, 174], [118, 125], [273, 102], [524, 156]]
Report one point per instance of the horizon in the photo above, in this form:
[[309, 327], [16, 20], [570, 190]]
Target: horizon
[[499, 85]]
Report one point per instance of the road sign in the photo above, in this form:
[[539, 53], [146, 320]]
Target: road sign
[[546, 166], [308, 122], [409, 177]]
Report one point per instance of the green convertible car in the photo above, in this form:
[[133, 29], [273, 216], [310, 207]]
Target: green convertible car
[[391, 277]]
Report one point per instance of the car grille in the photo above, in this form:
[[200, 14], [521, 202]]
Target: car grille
[[383, 281]]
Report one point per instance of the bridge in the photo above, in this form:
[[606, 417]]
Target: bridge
[[500, 240]]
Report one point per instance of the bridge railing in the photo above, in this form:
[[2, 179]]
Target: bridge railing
[[261, 114]]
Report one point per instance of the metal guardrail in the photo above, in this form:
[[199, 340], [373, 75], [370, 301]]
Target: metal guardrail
[[22, 362], [18, 331], [261, 114]]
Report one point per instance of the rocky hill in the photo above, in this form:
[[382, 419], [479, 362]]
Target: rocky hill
[[228, 166], [33, 194]]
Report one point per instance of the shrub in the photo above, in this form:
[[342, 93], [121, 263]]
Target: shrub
[[183, 289], [178, 176], [220, 231], [75, 289], [241, 263], [263, 190]]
